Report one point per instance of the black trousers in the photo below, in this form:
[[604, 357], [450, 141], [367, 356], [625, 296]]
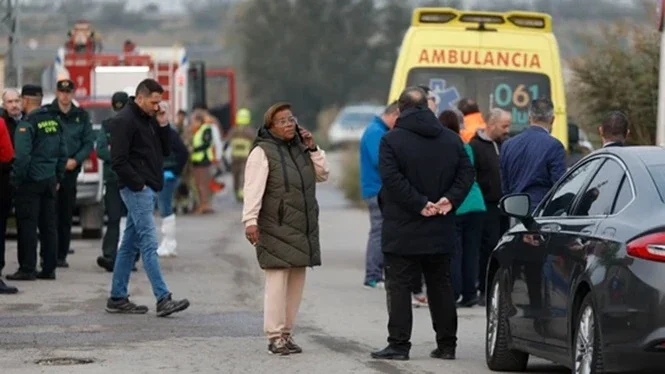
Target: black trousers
[[35, 204], [115, 210], [6, 192], [66, 204], [493, 228], [400, 275]]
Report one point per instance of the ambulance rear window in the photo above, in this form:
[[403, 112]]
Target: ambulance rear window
[[508, 90]]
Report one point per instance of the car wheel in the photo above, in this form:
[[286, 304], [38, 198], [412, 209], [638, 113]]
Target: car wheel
[[498, 354], [587, 356]]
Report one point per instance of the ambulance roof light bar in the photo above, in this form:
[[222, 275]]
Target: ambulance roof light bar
[[513, 20]]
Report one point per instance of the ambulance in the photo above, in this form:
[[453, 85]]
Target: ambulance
[[501, 60]]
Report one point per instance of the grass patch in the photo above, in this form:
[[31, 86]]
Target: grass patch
[[350, 181]]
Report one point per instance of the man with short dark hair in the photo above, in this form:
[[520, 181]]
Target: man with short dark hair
[[426, 175], [370, 184], [473, 118], [533, 161], [39, 168], [80, 141], [615, 129], [138, 147]]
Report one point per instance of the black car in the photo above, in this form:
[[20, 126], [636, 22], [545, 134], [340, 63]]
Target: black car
[[581, 281]]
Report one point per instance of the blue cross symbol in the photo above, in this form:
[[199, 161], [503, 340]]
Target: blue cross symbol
[[447, 97]]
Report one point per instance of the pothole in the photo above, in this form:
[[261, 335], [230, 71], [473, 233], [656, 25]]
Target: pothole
[[64, 361]]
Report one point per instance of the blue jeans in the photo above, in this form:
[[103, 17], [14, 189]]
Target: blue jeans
[[465, 262], [374, 255], [165, 197], [140, 235]]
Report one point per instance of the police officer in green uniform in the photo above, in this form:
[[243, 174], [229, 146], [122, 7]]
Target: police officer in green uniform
[[38, 170], [115, 208], [80, 140]]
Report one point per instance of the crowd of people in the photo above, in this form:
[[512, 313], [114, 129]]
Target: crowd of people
[[433, 182], [43, 148]]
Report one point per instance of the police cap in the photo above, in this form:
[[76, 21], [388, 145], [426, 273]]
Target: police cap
[[32, 90], [65, 85], [119, 99]]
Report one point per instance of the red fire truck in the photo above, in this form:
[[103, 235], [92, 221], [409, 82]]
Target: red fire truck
[[97, 75]]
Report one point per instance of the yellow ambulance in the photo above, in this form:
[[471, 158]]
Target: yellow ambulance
[[502, 60]]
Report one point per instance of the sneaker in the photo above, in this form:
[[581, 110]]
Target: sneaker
[[124, 306], [467, 303], [443, 354], [167, 306], [419, 301], [291, 344], [374, 284], [6, 289], [278, 347]]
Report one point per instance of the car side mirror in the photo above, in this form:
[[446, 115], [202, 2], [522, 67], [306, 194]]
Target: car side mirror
[[518, 206]]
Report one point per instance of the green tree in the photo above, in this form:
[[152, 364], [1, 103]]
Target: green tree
[[313, 53], [618, 72]]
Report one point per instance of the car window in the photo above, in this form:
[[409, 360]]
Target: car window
[[560, 202], [600, 194], [624, 196], [356, 119]]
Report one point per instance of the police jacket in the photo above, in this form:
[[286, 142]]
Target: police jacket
[[40, 149], [78, 131]]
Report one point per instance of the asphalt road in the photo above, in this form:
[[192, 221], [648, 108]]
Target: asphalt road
[[340, 321]]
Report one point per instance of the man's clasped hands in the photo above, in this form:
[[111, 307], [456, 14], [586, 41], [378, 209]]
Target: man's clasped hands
[[441, 207]]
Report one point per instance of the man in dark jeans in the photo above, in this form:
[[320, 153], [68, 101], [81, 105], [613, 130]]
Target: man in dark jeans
[[138, 147], [80, 140], [486, 145], [417, 200]]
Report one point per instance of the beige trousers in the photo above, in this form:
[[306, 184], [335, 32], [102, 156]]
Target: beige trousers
[[283, 293]]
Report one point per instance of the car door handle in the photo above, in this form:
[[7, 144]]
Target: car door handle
[[550, 227]]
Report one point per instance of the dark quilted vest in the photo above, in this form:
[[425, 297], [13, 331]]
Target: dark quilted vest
[[289, 216]]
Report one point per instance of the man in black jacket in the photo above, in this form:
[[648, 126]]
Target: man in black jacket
[[426, 175], [138, 147], [614, 130], [486, 145]]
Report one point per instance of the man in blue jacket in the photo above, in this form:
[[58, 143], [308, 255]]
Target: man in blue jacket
[[533, 161], [370, 182]]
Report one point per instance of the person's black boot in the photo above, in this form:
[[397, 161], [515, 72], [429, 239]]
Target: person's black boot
[[62, 264], [391, 353], [43, 275], [21, 276], [167, 306], [6, 289], [105, 263], [443, 353]]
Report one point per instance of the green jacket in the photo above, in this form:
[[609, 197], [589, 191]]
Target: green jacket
[[104, 152], [474, 201], [78, 131], [289, 218], [40, 149]]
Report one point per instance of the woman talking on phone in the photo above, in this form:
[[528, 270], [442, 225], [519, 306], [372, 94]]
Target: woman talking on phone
[[281, 217]]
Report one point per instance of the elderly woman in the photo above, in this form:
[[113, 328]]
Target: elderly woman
[[281, 217], [470, 218]]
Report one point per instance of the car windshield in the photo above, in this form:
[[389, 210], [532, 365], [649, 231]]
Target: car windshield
[[509, 90], [356, 119]]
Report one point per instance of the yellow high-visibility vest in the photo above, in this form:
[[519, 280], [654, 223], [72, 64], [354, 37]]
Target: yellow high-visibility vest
[[240, 147], [197, 141]]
